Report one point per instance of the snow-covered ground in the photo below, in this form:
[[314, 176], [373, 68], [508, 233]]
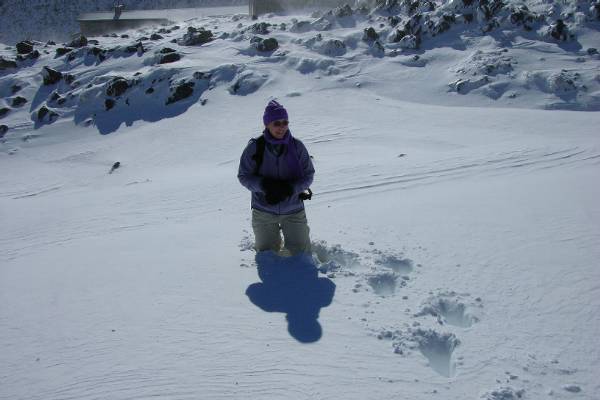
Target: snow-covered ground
[[457, 233]]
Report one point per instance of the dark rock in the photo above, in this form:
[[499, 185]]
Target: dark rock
[[112, 169], [124, 36], [164, 30], [71, 57], [61, 51], [3, 130], [142, 38], [79, 41], [174, 28], [51, 76], [591, 51], [24, 47], [182, 91], [370, 34], [19, 101], [7, 64], [167, 50], [169, 58], [51, 43], [117, 86], [108, 104], [559, 31], [98, 52], [267, 45], [93, 42], [394, 20], [33, 55], [201, 75], [136, 48], [15, 88], [156, 36], [61, 101], [468, 18], [44, 111], [260, 28], [149, 90], [4, 111], [196, 36]]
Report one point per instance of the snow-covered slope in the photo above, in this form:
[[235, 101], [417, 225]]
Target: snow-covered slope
[[455, 226], [57, 19]]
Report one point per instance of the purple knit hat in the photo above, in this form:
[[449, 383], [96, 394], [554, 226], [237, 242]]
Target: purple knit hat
[[274, 112]]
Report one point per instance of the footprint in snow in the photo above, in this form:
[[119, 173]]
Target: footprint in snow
[[385, 283], [435, 346], [452, 308], [396, 263], [334, 259]]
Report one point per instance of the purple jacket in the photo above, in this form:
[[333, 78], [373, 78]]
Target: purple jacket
[[275, 167]]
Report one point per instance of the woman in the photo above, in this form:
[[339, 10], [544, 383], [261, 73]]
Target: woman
[[277, 169]]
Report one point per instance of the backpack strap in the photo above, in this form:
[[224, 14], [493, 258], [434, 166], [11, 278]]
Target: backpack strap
[[260, 152]]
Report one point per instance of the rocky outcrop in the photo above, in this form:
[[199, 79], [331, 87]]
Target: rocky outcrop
[[24, 47], [264, 45], [45, 115], [7, 64], [61, 51], [79, 41], [51, 76], [196, 37], [369, 34], [181, 91], [19, 101], [559, 30], [117, 86]]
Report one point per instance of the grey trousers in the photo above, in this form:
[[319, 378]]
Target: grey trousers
[[294, 227]]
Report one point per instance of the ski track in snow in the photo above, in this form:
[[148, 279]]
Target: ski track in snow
[[462, 168]]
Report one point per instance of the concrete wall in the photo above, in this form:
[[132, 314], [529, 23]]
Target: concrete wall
[[258, 7], [97, 28]]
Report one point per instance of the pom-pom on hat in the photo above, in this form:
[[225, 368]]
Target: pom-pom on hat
[[273, 112]]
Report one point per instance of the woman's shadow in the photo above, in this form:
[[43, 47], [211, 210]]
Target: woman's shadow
[[292, 285]]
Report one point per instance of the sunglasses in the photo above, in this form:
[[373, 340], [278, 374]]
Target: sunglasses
[[282, 122]]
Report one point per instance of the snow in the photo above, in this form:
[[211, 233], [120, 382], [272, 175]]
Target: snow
[[455, 231]]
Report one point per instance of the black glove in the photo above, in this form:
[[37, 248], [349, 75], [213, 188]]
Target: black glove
[[275, 190]]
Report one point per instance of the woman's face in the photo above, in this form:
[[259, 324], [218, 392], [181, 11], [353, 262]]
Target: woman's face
[[278, 128]]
